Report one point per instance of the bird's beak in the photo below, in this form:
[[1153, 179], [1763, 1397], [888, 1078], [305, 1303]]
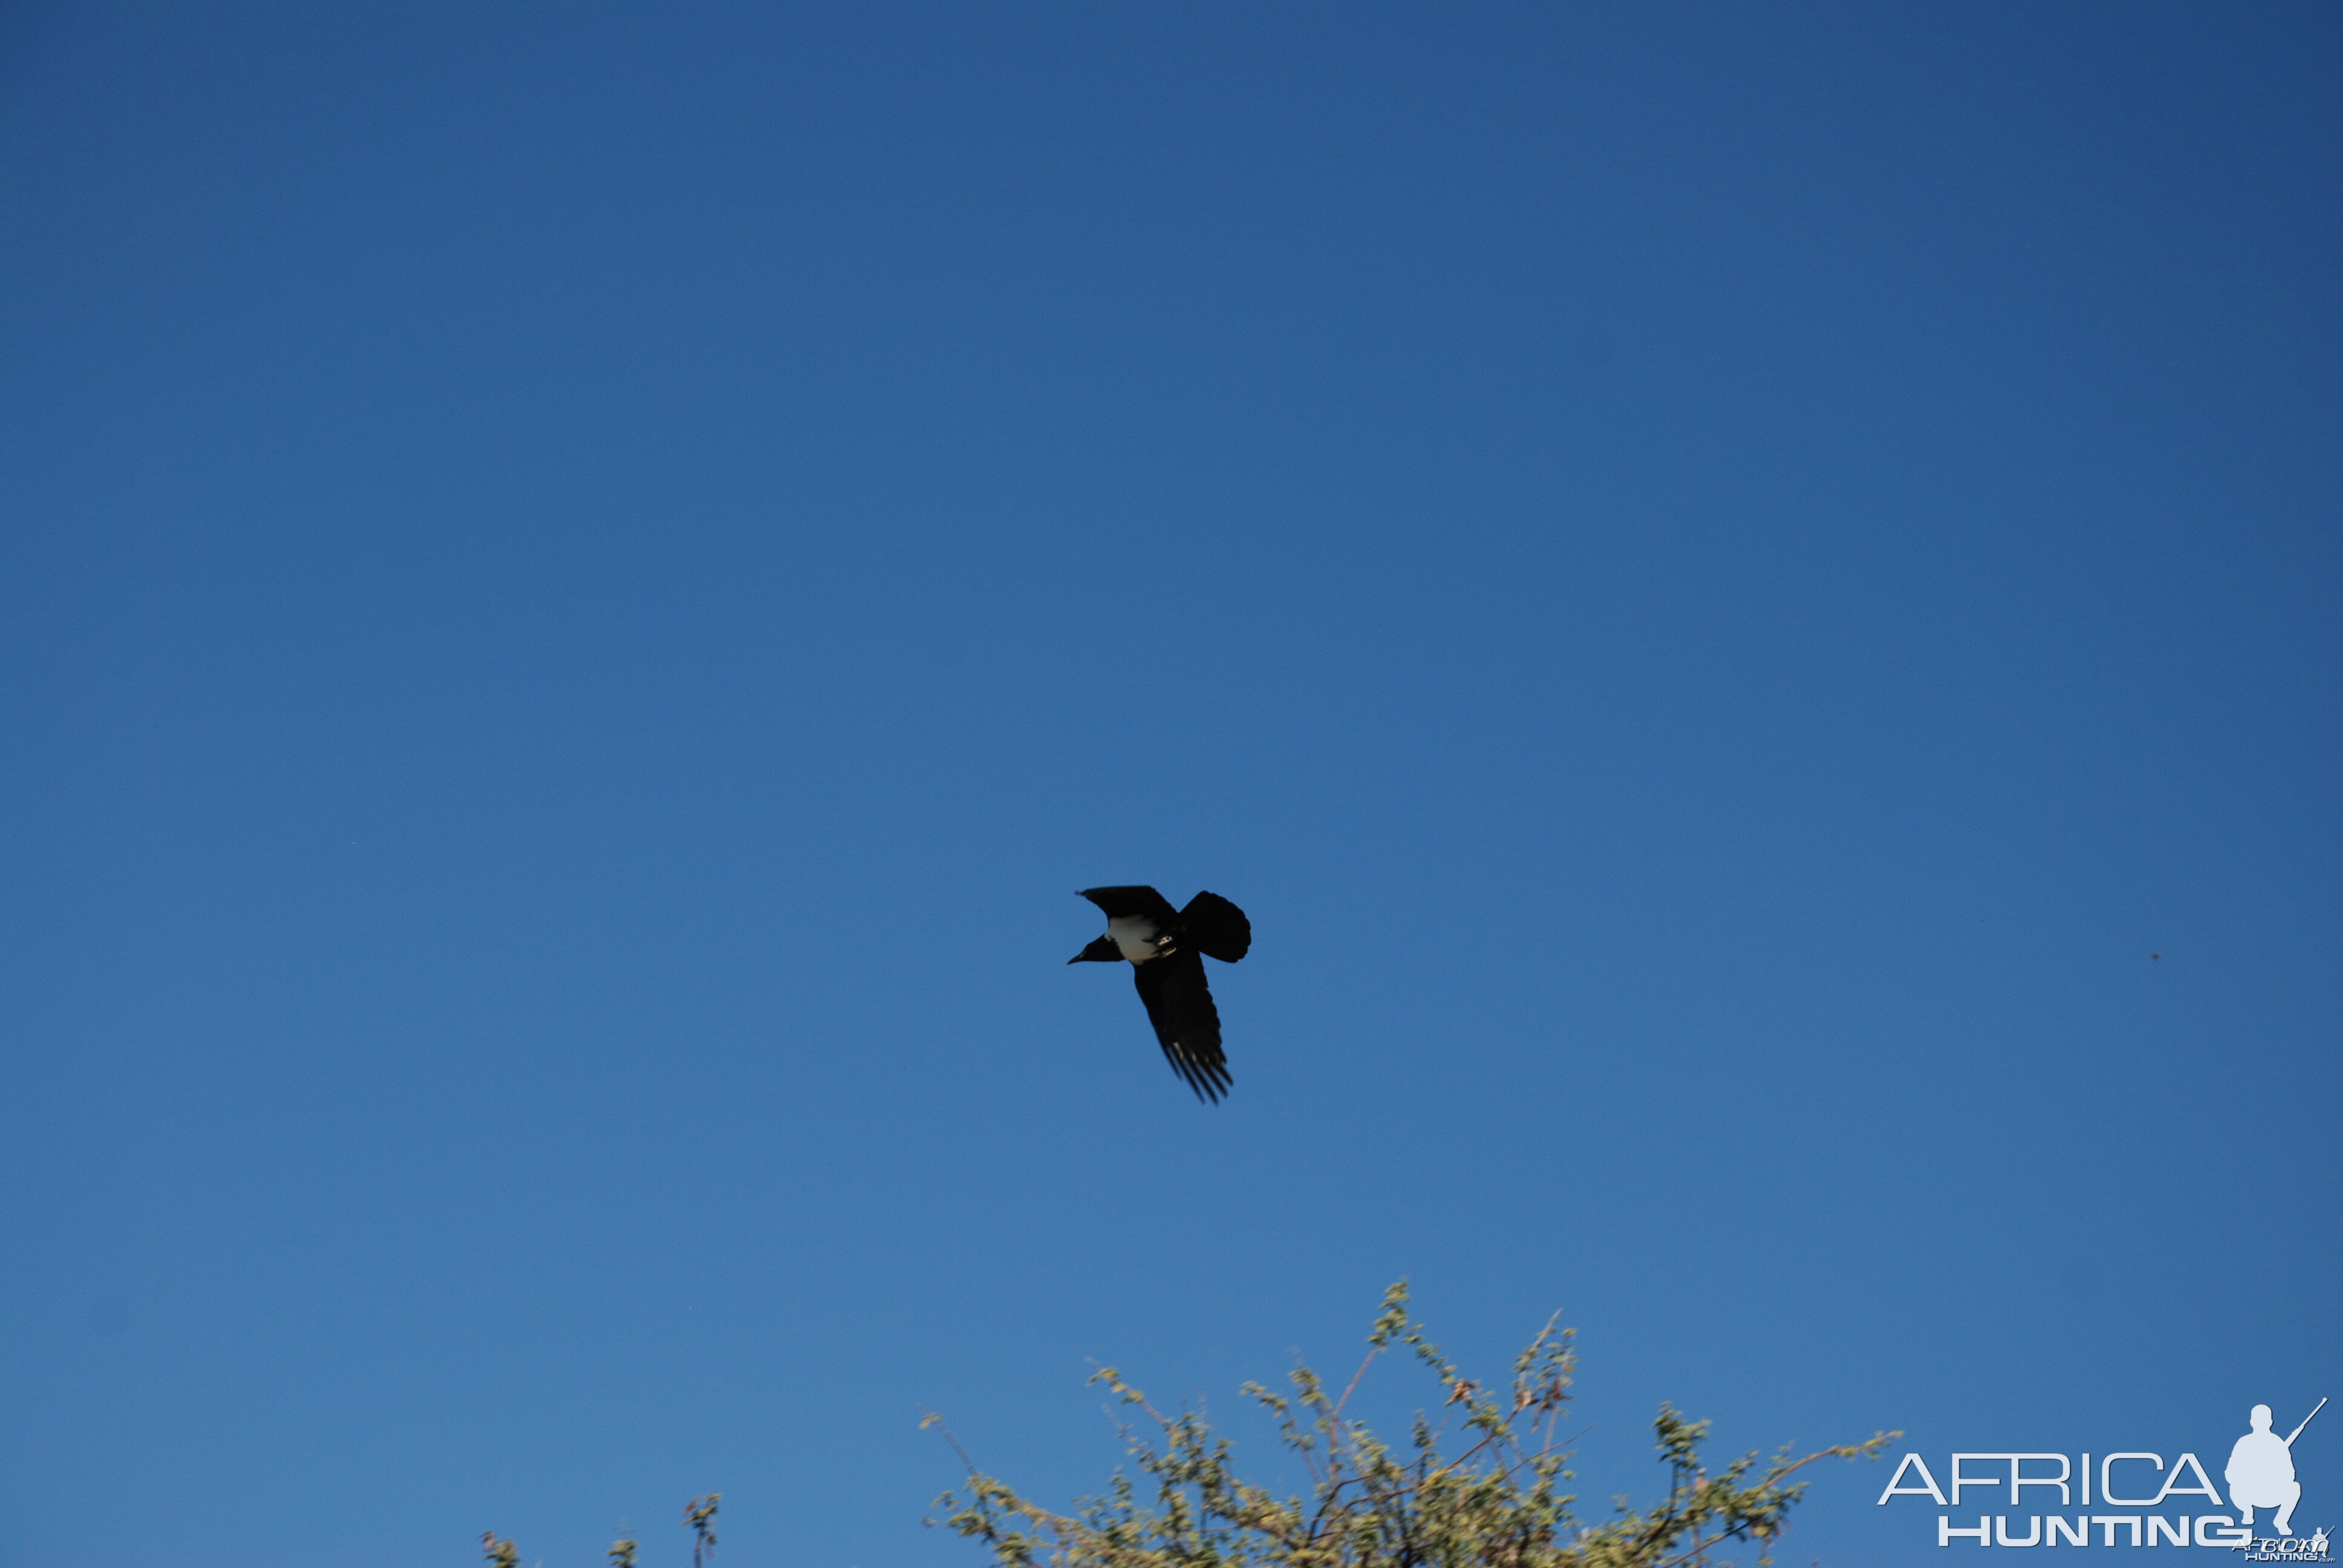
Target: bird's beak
[[1075, 959]]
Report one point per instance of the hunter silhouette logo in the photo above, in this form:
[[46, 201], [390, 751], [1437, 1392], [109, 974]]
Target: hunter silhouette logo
[[2261, 1470], [2260, 1474]]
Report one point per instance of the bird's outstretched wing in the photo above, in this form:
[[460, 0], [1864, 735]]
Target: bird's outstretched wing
[[1180, 1006], [1129, 903], [1216, 928]]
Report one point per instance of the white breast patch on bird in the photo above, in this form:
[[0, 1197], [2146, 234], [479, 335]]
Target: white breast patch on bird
[[1135, 936]]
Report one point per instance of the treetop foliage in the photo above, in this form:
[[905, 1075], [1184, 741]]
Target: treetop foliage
[[1498, 1501], [698, 1517]]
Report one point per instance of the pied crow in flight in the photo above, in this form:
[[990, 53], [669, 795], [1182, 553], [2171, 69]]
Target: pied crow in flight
[[1166, 948]]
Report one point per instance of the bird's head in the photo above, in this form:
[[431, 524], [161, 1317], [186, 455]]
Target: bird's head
[[1102, 951]]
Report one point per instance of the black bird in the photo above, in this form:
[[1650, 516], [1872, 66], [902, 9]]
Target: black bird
[[1164, 945]]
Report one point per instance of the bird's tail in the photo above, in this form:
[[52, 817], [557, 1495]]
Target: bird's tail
[[1217, 927]]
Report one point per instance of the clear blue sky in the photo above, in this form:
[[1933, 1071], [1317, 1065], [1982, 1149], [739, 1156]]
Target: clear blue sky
[[581, 586]]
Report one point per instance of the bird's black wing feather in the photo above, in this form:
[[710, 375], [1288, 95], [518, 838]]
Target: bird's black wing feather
[[1125, 903], [1216, 928], [1180, 1006]]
